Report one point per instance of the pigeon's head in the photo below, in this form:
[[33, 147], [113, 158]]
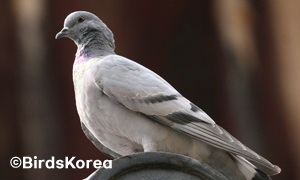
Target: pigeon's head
[[82, 27]]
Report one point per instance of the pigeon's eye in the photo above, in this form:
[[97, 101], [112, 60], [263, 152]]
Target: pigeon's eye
[[80, 20]]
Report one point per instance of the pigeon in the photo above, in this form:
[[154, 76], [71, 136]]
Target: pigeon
[[125, 108]]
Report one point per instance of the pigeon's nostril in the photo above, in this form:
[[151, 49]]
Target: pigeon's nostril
[[65, 29]]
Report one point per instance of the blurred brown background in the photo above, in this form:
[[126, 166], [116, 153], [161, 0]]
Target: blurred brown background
[[236, 59]]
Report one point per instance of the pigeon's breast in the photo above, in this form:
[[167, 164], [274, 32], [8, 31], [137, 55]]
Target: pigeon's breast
[[79, 69]]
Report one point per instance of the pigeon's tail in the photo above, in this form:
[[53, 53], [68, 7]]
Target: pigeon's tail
[[249, 170]]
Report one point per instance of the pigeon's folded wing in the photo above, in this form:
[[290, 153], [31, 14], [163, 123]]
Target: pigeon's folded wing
[[141, 90]]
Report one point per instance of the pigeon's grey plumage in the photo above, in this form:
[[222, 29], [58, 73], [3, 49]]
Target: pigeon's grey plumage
[[126, 108]]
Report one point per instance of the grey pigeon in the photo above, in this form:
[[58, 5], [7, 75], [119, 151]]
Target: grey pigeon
[[126, 108]]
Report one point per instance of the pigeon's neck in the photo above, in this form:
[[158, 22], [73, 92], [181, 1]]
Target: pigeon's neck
[[82, 55], [94, 44]]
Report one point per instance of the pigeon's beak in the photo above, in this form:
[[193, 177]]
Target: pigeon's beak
[[63, 33]]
